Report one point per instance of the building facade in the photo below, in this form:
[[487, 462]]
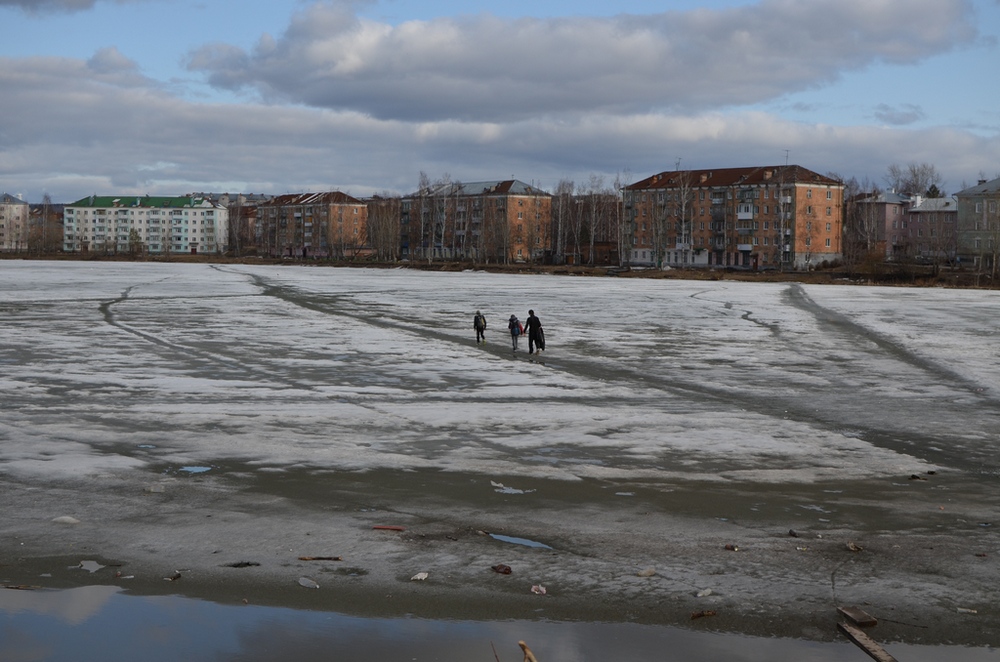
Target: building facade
[[495, 221], [14, 215], [932, 229], [331, 224], [134, 225], [881, 223], [754, 217], [979, 225]]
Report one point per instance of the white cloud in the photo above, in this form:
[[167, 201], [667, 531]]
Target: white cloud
[[484, 67]]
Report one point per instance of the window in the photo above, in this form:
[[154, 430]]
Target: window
[[809, 193], [829, 211], [767, 225], [829, 194], [809, 209], [979, 207], [767, 210], [828, 243]]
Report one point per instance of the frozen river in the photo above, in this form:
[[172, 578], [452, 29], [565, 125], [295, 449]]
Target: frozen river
[[164, 417], [363, 369]]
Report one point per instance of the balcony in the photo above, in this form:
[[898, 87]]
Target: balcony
[[744, 247], [745, 231]]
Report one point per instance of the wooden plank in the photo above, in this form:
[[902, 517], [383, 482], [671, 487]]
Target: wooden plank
[[866, 643], [858, 616]]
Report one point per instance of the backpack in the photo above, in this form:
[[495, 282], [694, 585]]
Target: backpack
[[515, 327]]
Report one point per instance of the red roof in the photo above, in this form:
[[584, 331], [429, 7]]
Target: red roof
[[726, 177]]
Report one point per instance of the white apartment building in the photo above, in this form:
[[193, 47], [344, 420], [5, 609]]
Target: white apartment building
[[145, 224], [13, 224]]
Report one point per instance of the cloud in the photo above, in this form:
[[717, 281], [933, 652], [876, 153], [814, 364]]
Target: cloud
[[78, 127], [487, 68], [898, 116]]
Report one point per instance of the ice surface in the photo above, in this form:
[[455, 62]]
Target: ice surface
[[121, 366]]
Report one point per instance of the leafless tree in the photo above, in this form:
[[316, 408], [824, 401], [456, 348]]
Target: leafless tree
[[383, 225], [913, 179]]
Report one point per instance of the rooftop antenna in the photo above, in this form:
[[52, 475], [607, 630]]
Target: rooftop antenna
[[786, 158], [677, 164]]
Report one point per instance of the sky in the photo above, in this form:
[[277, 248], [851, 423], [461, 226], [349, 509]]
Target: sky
[[168, 97]]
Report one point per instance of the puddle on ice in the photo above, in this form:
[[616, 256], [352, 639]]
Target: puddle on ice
[[519, 541], [101, 623], [89, 566], [194, 470]]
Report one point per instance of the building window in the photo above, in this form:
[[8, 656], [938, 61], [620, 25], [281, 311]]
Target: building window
[[809, 193], [827, 243], [829, 211], [829, 194], [809, 209]]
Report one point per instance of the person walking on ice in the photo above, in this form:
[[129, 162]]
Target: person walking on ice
[[536, 337], [515, 330], [479, 324]]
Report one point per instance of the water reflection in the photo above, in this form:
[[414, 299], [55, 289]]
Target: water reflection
[[101, 623]]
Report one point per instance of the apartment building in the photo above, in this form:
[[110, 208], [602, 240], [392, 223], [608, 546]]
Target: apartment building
[[492, 221], [754, 217], [880, 222], [979, 225], [14, 214], [330, 224], [932, 229], [145, 224]]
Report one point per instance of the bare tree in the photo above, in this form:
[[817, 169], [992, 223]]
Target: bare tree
[[383, 225], [913, 179]]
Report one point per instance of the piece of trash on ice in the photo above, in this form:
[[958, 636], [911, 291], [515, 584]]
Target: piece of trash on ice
[[793, 533], [732, 548], [703, 613], [308, 583], [538, 589], [853, 547], [646, 572], [502, 569], [174, 577], [243, 564], [321, 558], [963, 610], [704, 593], [858, 616], [419, 577], [65, 519], [503, 489]]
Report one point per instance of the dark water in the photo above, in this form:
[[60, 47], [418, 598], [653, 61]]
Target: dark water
[[99, 623]]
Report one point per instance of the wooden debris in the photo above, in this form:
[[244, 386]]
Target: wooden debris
[[851, 546], [703, 613], [321, 558], [866, 643], [502, 569], [528, 655], [858, 616]]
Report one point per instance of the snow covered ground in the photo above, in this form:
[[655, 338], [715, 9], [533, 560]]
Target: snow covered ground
[[156, 417], [119, 365]]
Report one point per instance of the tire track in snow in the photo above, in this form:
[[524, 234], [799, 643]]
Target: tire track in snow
[[797, 297]]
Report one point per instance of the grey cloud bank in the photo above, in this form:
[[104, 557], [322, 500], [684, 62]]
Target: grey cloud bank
[[338, 101]]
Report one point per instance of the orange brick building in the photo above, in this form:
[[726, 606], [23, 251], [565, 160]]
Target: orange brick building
[[331, 224], [756, 217], [496, 221]]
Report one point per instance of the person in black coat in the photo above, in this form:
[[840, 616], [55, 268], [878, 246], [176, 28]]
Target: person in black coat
[[536, 337]]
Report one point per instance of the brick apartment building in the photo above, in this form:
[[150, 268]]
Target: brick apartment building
[[494, 221], [331, 224], [755, 217]]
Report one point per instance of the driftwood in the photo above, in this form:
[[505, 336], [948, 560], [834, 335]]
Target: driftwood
[[866, 643], [528, 655]]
